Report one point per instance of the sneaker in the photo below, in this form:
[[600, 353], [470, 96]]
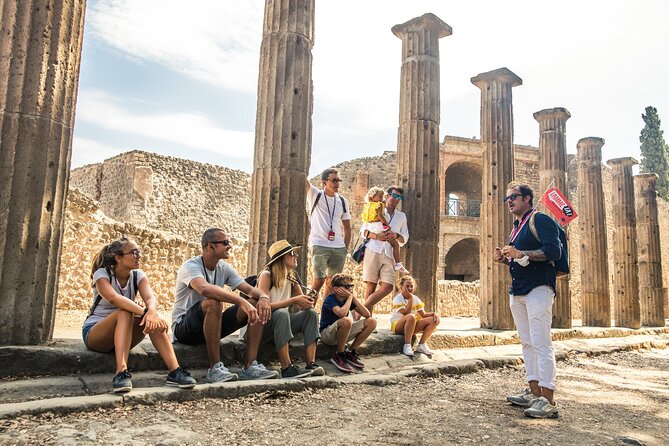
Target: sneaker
[[407, 350], [257, 371], [424, 349], [542, 409], [316, 370], [400, 268], [219, 373], [523, 399], [180, 378], [121, 382], [294, 371], [340, 362], [352, 358]]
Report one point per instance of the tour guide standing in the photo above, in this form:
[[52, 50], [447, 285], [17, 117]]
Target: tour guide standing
[[330, 234], [532, 291]]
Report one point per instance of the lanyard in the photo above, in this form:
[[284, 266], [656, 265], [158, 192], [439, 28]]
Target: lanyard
[[206, 276], [391, 218], [334, 205], [516, 230]]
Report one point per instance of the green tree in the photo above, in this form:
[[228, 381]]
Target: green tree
[[655, 151]]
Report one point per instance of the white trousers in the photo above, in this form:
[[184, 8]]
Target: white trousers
[[533, 315]]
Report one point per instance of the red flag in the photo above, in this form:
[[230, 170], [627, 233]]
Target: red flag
[[559, 206]]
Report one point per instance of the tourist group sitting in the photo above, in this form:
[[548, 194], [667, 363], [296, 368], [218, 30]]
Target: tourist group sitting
[[273, 309]]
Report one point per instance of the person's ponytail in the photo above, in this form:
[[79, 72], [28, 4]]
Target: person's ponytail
[[106, 257]]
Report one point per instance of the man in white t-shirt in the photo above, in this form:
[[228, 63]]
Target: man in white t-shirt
[[198, 316], [330, 232], [379, 266]]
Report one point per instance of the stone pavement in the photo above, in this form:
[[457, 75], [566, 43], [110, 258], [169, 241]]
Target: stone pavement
[[85, 377]]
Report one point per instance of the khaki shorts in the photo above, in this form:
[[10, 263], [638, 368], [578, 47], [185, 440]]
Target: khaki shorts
[[329, 334], [377, 268], [327, 261]]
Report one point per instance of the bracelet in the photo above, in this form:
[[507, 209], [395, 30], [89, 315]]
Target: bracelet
[[263, 297]]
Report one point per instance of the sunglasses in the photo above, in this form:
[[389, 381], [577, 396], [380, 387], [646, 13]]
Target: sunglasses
[[512, 197], [397, 196], [292, 254], [334, 180], [225, 242], [348, 287], [136, 253]]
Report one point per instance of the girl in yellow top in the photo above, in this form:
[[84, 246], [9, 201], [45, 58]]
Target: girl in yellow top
[[374, 212], [409, 317]]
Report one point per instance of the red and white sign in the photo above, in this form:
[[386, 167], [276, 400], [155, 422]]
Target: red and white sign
[[559, 206]]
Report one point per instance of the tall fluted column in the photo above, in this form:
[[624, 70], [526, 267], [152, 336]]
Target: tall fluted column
[[496, 221], [651, 292], [418, 146], [283, 130], [595, 302], [625, 261], [553, 171], [39, 74]]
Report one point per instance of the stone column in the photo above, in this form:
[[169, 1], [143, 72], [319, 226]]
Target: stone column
[[496, 221], [651, 292], [595, 302], [418, 146], [39, 75], [625, 261], [283, 131], [553, 171]]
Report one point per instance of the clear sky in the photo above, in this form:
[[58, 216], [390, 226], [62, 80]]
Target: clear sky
[[179, 78]]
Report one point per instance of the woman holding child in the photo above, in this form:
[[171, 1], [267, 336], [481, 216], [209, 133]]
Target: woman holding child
[[409, 317], [279, 281], [117, 323]]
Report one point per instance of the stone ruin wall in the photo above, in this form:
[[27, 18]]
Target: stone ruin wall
[[149, 182]]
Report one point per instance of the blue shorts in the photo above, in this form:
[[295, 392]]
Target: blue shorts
[[84, 332]]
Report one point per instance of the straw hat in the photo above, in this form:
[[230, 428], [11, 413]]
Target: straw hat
[[279, 249]]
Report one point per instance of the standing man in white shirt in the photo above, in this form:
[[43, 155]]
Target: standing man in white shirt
[[378, 267], [330, 233]]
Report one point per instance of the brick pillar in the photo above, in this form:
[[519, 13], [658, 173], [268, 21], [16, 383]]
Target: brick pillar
[[496, 221], [39, 75], [553, 171], [595, 302], [651, 292], [418, 146], [625, 261], [283, 130]]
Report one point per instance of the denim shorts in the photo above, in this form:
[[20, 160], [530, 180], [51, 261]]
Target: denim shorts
[[84, 332]]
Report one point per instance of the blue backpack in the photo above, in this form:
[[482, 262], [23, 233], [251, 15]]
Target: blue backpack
[[562, 264]]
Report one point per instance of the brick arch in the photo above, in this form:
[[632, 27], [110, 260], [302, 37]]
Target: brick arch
[[461, 261]]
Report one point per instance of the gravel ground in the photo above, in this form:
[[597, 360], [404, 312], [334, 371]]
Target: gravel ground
[[615, 399]]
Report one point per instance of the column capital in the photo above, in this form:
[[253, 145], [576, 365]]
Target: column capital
[[646, 179], [426, 21], [503, 75], [622, 162], [590, 142], [552, 113]]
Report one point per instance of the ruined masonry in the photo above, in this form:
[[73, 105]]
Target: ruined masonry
[[418, 145], [625, 263], [39, 75], [498, 171]]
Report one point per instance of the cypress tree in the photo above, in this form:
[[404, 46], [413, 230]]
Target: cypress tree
[[655, 151]]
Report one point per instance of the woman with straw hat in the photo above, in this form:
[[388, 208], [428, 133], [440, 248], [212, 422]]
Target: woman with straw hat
[[279, 281]]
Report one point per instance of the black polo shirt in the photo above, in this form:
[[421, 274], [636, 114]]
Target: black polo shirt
[[525, 278]]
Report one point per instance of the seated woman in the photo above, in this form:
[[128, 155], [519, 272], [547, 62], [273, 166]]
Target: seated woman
[[116, 323], [279, 282], [408, 317]]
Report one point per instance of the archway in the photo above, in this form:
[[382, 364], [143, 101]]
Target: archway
[[462, 261], [463, 189]]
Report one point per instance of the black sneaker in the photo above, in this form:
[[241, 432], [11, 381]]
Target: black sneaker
[[294, 371], [180, 378], [121, 382], [316, 370]]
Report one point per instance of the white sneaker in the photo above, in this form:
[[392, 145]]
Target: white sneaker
[[523, 399], [400, 268], [258, 371], [424, 349], [219, 373], [542, 409], [406, 350]]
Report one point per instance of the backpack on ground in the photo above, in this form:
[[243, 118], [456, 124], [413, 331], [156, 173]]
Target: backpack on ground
[[562, 264]]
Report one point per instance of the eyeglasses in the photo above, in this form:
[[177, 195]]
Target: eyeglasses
[[334, 180], [397, 196], [512, 197], [136, 253], [225, 242]]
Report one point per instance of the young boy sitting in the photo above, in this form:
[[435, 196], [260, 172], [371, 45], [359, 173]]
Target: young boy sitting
[[337, 327]]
